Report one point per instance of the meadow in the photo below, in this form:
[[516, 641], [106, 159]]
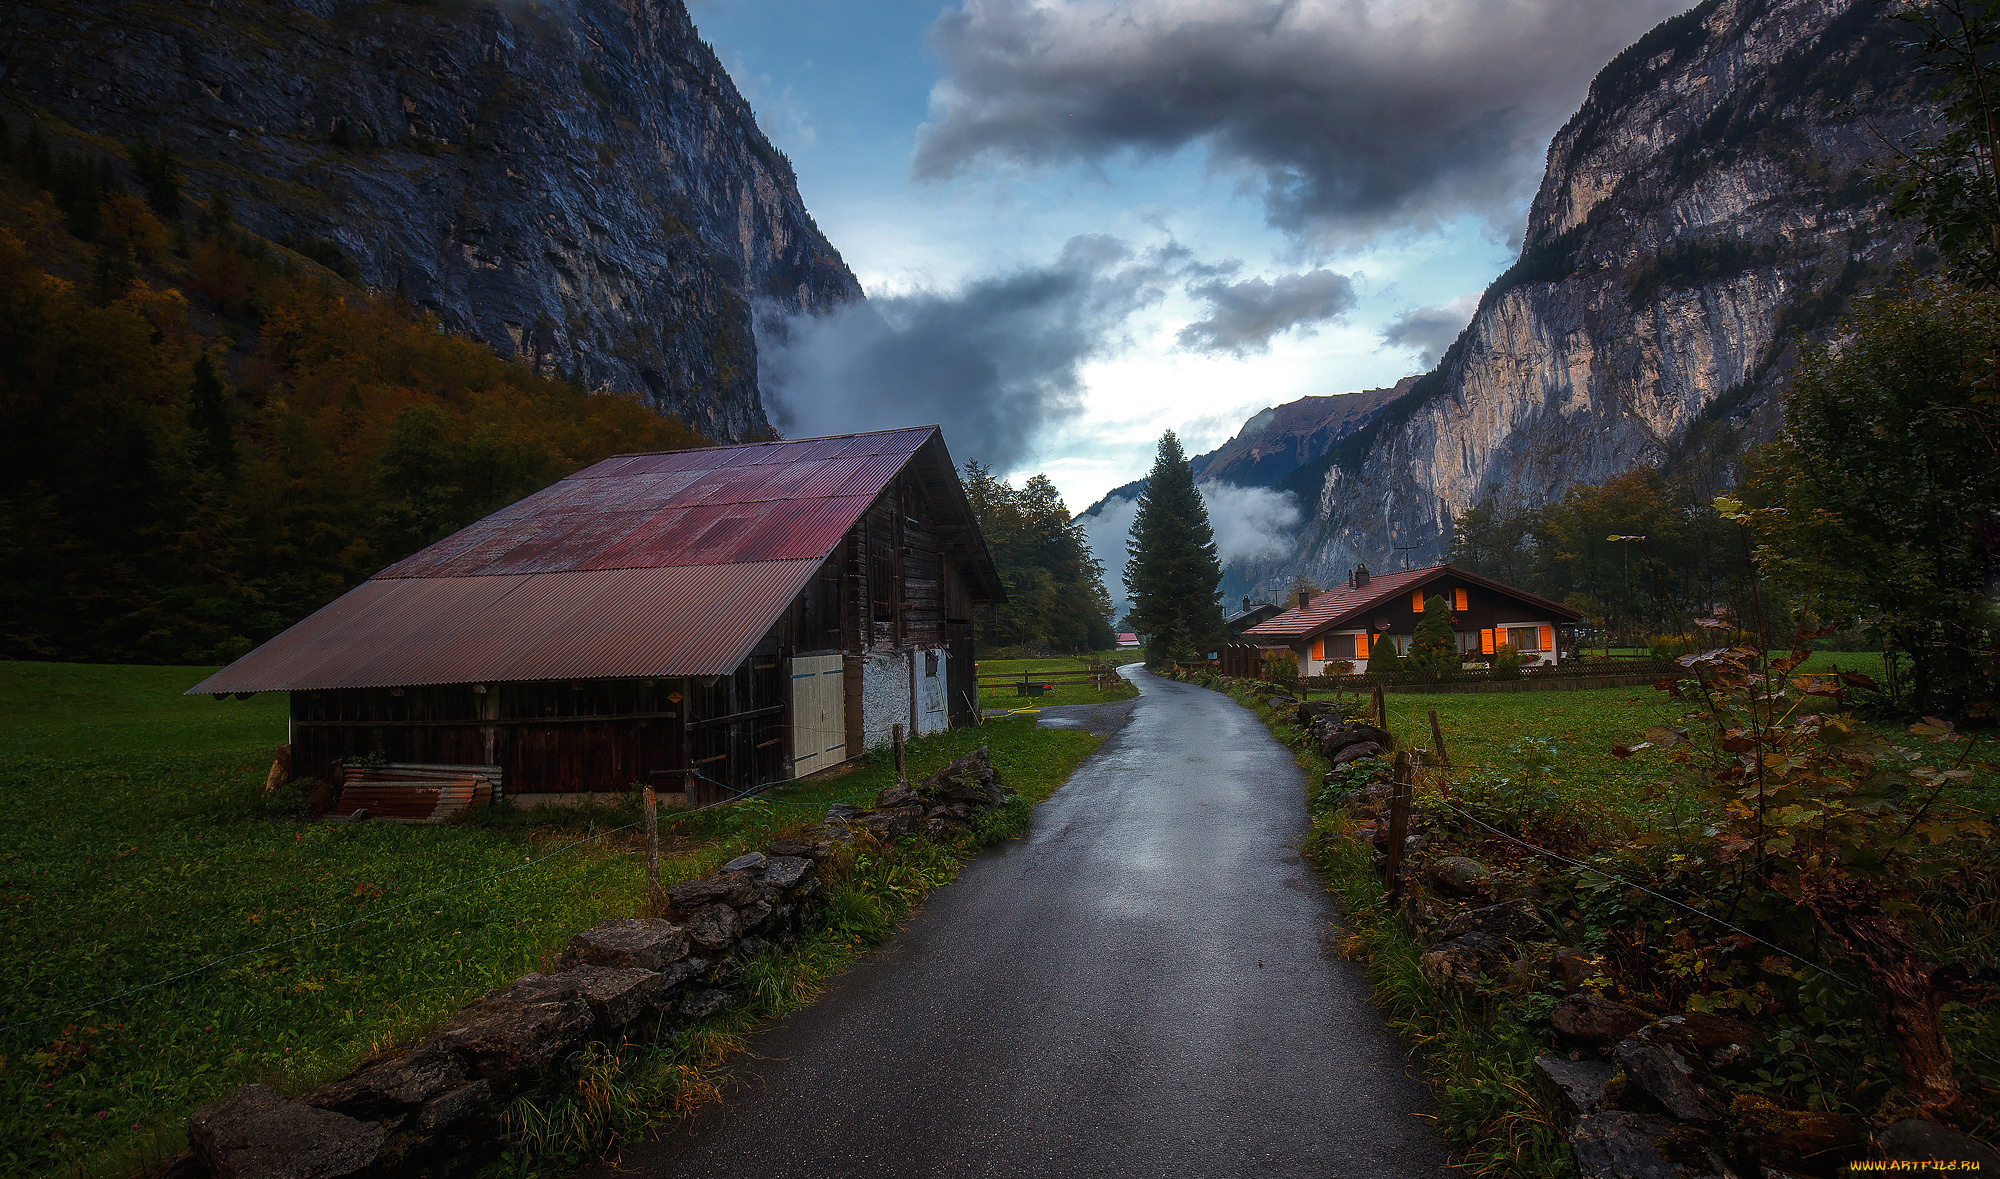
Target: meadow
[[995, 695], [135, 847]]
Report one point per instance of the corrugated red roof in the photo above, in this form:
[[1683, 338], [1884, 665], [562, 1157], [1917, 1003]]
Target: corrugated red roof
[[640, 565], [768, 501], [582, 624], [1335, 607]]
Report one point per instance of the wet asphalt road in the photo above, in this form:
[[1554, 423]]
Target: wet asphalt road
[[1139, 987]]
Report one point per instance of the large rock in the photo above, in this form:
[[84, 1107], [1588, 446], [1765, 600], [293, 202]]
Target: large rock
[[1665, 1075], [1915, 1139], [714, 926], [896, 796], [455, 1108], [1617, 1144], [641, 943], [1457, 874], [617, 995], [1590, 1019], [971, 780], [812, 849], [1514, 920], [1355, 734], [520, 1032], [747, 862], [1462, 964], [1579, 1085], [256, 1134], [390, 1088], [1355, 752], [786, 871]]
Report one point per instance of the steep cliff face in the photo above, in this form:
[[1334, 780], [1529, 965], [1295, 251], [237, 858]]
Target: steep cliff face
[[1707, 207], [577, 183]]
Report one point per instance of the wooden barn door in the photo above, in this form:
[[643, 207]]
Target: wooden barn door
[[819, 715]]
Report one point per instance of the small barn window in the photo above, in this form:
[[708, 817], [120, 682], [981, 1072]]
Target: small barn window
[[930, 664], [882, 588]]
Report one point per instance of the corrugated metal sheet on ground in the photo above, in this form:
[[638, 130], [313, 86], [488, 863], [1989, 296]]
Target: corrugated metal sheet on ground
[[577, 624]]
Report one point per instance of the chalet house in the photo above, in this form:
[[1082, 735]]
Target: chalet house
[[751, 613], [1345, 625], [1250, 615]]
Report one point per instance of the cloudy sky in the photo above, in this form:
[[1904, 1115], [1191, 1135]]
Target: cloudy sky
[[1082, 222]]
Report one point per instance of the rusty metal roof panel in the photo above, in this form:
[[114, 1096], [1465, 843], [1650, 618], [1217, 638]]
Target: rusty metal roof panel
[[783, 500], [577, 624], [648, 564]]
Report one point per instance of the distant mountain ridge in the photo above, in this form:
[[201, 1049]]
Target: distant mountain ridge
[[1275, 443], [580, 184], [1708, 207]]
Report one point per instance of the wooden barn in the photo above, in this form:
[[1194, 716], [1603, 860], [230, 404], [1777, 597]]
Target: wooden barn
[[1343, 626], [750, 613]]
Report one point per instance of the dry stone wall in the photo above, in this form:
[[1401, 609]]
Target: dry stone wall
[[434, 1108]]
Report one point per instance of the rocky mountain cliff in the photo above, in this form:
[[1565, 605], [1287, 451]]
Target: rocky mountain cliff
[[577, 183], [1707, 208]]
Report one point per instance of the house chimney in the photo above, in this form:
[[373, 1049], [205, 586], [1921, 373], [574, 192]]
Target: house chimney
[[1301, 599], [1361, 575], [1246, 603]]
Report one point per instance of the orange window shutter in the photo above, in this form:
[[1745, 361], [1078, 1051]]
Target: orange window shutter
[[1319, 648], [1548, 638], [1417, 601], [1486, 643], [1458, 599]]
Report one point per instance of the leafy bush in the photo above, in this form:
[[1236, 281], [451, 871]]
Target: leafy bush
[[1506, 662], [1281, 665]]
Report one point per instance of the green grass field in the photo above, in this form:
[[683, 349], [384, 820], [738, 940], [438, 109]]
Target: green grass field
[[1003, 695], [134, 846]]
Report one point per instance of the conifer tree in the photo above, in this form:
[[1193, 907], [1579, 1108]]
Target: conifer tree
[[1434, 648], [1385, 660], [1173, 573]]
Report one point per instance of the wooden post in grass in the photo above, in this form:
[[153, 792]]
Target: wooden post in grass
[[656, 901], [1443, 758], [896, 738], [1399, 822], [1381, 708]]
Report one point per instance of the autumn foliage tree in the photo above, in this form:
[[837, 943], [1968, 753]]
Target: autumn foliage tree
[[204, 436]]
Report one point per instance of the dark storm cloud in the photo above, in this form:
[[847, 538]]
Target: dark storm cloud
[[995, 363], [1428, 331], [1244, 316], [1349, 116]]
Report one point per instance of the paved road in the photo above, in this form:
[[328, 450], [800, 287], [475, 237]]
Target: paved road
[[1137, 988]]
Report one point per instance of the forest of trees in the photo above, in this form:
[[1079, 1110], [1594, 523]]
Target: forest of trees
[[205, 435], [1056, 600], [1690, 561]]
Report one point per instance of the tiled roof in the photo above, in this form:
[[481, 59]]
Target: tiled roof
[[1331, 609]]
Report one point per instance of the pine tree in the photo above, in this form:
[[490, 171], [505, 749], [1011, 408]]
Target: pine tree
[[1434, 648], [1385, 661], [1173, 573]]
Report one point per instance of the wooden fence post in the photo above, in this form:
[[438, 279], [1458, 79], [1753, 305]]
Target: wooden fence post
[[1399, 823], [1381, 709], [1437, 740], [896, 738], [656, 900]]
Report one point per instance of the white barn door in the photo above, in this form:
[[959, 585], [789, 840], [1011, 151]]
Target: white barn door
[[819, 718]]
